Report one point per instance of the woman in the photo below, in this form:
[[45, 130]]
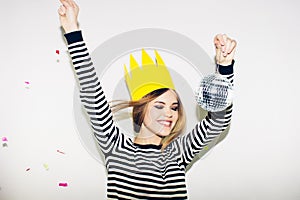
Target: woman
[[152, 166]]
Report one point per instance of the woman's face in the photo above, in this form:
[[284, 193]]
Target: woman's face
[[162, 114]]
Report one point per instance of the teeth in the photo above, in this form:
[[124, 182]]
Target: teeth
[[166, 123]]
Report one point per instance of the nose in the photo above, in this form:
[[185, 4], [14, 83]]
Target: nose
[[168, 113]]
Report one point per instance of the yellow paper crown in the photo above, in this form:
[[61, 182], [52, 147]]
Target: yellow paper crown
[[147, 78]]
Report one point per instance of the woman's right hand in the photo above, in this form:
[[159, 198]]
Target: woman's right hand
[[68, 13]]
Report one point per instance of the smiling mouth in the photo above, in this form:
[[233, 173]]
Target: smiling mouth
[[165, 123]]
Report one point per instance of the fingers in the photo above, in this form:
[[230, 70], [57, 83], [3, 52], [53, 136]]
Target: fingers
[[69, 4], [224, 43], [65, 3], [218, 40], [231, 46], [62, 10], [74, 5]]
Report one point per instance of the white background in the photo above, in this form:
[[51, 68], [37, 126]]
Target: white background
[[258, 160]]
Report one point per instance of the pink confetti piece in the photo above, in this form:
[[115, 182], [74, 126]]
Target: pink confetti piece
[[60, 152], [4, 139], [27, 82], [63, 184]]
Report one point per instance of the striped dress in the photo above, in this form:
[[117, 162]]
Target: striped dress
[[139, 171]]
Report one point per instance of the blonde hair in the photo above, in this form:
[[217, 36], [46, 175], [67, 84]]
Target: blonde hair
[[139, 111]]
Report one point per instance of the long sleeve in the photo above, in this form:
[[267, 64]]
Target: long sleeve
[[207, 129], [91, 94]]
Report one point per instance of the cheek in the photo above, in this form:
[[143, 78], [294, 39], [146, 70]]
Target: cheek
[[151, 115], [154, 113], [175, 118]]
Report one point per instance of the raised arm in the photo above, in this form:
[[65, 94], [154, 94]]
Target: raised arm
[[91, 93], [215, 122]]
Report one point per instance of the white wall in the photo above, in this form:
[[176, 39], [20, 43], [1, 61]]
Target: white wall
[[259, 159]]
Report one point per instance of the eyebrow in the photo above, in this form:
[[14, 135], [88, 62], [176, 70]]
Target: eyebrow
[[175, 103]]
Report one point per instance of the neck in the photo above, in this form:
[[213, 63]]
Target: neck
[[141, 140], [145, 136]]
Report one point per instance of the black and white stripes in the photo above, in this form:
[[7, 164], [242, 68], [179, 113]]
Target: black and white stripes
[[138, 171]]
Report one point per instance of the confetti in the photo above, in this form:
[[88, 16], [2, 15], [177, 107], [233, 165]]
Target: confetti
[[4, 145], [46, 166], [27, 84], [27, 169], [63, 184], [57, 52], [4, 139], [60, 152]]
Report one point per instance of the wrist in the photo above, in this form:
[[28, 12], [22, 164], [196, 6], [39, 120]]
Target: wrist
[[225, 63], [71, 27]]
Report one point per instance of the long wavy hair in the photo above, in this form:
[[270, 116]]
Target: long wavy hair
[[139, 112]]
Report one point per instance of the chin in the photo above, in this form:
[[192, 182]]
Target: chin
[[164, 133]]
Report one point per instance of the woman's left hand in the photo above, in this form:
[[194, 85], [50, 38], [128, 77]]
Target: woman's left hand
[[68, 14], [225, 49]]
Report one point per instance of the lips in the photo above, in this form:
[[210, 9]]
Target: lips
[[166, 123]]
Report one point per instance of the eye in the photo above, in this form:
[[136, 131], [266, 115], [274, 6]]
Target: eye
[[175, 108], [159, 106]]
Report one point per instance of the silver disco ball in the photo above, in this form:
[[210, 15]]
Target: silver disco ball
[[215, 93]]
